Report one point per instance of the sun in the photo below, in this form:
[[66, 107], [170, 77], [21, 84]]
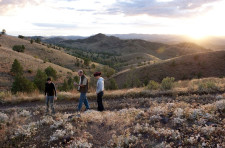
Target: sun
[[197, 35]]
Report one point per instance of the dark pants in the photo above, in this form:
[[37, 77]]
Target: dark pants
[[99, 100]]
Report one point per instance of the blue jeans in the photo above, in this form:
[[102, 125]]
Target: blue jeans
[[83, 99], [51, 100]]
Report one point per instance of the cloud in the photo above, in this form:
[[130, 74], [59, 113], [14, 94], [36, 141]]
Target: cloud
[[55, 25], [7, 5], [172, 8]]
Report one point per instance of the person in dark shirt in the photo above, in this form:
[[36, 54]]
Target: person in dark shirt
[[50, 93]]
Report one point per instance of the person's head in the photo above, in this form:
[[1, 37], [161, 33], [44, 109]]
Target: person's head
[[97, 74], [49, 80], [80, 73]]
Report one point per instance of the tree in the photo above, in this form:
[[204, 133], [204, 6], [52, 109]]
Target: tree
[[76, 79], [40, 79], [65, 86], [38, 40], [87, 62], [21, 36], [21, 84], [31, 41], [108, 71], [93, 66], [51, 72], [19, 48], [70, 82], [3, 31], [16, 69], [113, 85]]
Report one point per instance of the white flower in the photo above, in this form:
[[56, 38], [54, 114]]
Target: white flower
[[57, 124], [57, 135], [3, 117], [208, 130], [24, 113], [179, 112], [220, 105], [155, 118], [191, 140], [80, 144], [178, 121], [47, 120], [219, 97]]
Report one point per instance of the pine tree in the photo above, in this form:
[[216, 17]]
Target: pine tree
[[22, 84], [51, 72], [40, 80], [16, 69], [113, 85]]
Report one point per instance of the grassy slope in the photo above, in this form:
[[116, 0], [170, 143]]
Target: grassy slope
[[7, 57], [185, 67], [40, 51]]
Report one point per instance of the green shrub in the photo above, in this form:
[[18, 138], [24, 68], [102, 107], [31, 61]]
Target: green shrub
[[16, 69], [208, 85], [153, 85], [51, 72], [22, 84], [19, 48], [31, 41], [112, 84], [93, 66], [29, 71], [65, 86], [87, 62], [167, 83], [40, 80], [20, 36]]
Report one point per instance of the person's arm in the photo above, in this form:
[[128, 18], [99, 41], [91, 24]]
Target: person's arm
[[54, 90]]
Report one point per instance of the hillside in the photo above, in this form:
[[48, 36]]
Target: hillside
[[111, 44], [28, 62], [41, 51], [210, 64], [112, 51]]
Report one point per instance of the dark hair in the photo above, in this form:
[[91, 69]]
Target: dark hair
[[49, 79], [97, 74]]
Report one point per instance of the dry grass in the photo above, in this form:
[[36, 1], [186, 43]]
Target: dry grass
[[180, 88], [7, 57]]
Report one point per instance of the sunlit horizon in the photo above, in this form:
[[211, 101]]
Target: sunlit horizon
[[195, 19]]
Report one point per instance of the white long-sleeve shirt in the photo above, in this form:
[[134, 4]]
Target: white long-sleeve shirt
[[100, 85]]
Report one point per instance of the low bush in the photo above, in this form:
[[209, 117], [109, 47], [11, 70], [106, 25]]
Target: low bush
[[167, 83], [153, 85], [19, 48], [206, 86]]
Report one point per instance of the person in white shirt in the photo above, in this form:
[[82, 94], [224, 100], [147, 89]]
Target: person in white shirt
[[99, 90]]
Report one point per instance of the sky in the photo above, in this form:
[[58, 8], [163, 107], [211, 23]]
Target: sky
[[195, 18]]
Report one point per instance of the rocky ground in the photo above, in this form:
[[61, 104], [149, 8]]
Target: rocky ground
[[173, 121]]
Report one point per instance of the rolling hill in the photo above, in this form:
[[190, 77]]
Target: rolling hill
[[42, 52], [36, 56], [114, 51], [209, 64]]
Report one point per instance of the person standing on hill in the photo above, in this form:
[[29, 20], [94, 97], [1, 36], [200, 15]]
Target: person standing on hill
[[50, 93], [99, 90], [83, 89]]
